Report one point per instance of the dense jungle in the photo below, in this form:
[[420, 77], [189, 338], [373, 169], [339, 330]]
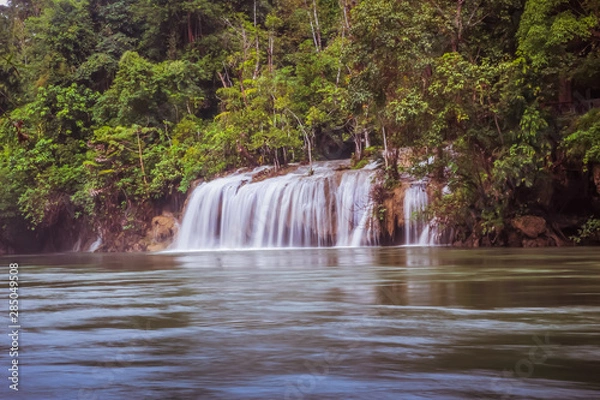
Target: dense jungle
[[111, 110]]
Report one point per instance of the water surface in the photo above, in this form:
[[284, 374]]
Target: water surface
[[355, 323]]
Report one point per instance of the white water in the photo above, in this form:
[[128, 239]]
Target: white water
[[77, 245], [417, 230], [293, 210], [95, 245]]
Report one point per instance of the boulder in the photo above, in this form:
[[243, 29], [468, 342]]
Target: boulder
[[163, 228], [392, 218], [531, 226], [158, 246], [162, 231]]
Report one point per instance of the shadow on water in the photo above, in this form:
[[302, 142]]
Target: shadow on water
[[86, 262], [383, 323], [487, 278]]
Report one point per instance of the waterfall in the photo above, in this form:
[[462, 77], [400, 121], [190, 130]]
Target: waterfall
[[417, 230], [77, 245], [325, 208], [95, 245]]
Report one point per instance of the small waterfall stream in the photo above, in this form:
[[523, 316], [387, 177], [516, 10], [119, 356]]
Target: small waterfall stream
[[95, 245], [327, 208], [417, 230]]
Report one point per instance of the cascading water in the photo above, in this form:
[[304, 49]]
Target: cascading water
[[293, 210], [95, 245], [417, 230], [77, 245]]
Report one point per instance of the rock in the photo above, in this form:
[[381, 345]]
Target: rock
[[392, 224], [531, 226], [161, 233], [538, 242], [194, 184], [137, 247], [163, 228], [158, 246]]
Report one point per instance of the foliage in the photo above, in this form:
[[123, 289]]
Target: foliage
[[589, 230], [111, 106], [584, 142]]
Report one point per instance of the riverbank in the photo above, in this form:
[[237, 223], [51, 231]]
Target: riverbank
[[334, 204]]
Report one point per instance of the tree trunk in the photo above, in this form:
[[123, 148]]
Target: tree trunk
[[189, 28], [257, 66], [312, 27], [317, 27], [458, 24], [357, 146], [141, 158], [306, 139], [270, 52], [386, 153]]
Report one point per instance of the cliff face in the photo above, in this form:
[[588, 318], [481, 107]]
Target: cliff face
[[392, 222], [150, 227]]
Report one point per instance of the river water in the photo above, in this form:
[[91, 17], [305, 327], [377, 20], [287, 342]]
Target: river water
[[352, 323]]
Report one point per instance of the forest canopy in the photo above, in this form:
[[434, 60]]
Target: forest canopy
[[109, 107]]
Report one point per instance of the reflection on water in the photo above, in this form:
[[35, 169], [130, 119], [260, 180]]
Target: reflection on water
[[365, 323]]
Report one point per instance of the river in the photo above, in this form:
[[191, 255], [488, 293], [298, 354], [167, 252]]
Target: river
[[342, 323]]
